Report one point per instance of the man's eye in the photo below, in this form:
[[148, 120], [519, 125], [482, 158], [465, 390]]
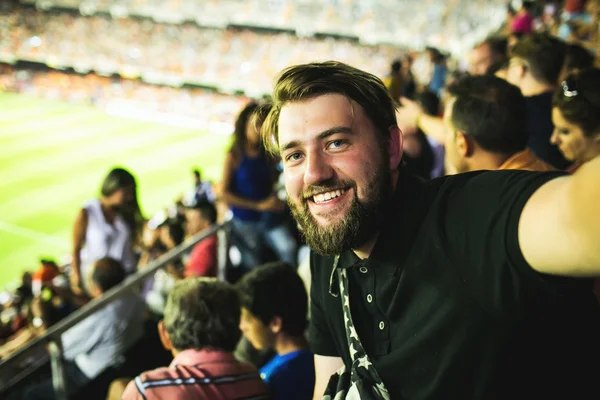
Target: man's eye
[[294, 157], [336, 144]]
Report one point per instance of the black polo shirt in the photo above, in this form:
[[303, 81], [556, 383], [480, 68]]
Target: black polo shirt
[[447, 307]]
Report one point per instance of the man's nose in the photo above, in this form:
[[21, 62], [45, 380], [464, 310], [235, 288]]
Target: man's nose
[[317, 169]]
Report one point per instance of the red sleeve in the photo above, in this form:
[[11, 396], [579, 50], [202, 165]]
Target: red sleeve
[[203, 260]]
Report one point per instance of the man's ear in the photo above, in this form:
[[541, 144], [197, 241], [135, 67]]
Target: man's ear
[[464, 144], [395, 147], [275, 325], [164, 336]]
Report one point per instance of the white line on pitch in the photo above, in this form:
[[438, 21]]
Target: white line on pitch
[[32, 234]]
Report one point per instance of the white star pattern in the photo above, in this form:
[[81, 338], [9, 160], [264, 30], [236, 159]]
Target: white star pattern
[[352, 351], [364, 362], [353, 333], [382, 391], [368, 375]]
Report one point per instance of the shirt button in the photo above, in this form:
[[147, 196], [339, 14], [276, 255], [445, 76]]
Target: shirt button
[[381, 325], [369, 298], [364, 270]]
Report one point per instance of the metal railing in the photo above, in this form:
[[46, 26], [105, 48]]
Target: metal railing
[[52, 337]]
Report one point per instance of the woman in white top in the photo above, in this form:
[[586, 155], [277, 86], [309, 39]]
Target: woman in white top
[[107, 226]]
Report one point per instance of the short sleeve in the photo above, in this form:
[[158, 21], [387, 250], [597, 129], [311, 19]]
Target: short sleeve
[[319, 332], [480, 219]]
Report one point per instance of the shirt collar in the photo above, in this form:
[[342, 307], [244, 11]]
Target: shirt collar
[[203, 356], [403, 218]]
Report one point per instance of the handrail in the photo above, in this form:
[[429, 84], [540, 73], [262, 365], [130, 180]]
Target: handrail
[[54, 332]]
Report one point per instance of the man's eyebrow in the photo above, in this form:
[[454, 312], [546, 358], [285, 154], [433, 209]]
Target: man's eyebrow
[[320, 136]]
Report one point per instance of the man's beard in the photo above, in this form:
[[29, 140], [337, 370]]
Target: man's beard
[[357, 226]]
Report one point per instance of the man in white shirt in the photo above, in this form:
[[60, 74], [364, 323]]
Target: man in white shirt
[[100, 340]]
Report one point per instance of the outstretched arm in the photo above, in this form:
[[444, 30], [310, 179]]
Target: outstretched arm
[[559, 228]]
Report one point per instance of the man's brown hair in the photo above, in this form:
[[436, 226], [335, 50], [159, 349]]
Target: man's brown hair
[[307, 81], [544, 55]]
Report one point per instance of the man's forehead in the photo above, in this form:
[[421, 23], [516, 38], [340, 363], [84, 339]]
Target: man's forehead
[[310, 117]]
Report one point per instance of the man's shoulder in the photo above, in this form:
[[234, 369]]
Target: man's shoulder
[[209, 242], [158, 374], [488, 180]]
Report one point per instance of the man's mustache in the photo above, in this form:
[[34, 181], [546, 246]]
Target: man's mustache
[[327, 186]]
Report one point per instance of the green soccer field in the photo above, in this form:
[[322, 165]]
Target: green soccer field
[[54, 156]]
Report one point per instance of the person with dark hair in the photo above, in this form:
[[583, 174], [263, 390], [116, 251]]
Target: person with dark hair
[[99, 341], [576, 117], [419, 157], [440, 70], [274, 315], [203, 258], [395, 82], [200, 328], [203, 190], [488, 56], [248, 188], [535, 65], [468, 286], [486, 125], [577, 58], [108, 226]]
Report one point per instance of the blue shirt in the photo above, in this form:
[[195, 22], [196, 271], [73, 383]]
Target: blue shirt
[[291, 376]]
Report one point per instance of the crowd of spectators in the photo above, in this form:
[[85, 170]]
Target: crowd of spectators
[[230, 59], [200, 104], [393, 21], [529, 101]]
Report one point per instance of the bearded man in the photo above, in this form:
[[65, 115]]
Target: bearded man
[[466, 287]]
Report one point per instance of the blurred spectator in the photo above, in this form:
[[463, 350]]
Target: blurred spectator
[[574, 13], [44, 276], [161, 233], [108, 226], [440, 70], [395, 81], [535, 65], [576, 117], [44, 311], [200, 328], [577, 58], [523, 19], [419, 157], [486, 124], [99, 341], [488, 56], [410, 84], [248, 186], [274, 315], [203, 258], [203, 190]]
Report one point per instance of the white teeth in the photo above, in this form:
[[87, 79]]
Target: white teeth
[[320, 198]]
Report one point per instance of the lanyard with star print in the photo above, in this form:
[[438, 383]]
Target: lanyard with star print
[[362, 367]]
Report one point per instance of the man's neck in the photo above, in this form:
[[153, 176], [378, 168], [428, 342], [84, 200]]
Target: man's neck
[[285, 344], [365, 250], [488, 161], [534, 88]]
